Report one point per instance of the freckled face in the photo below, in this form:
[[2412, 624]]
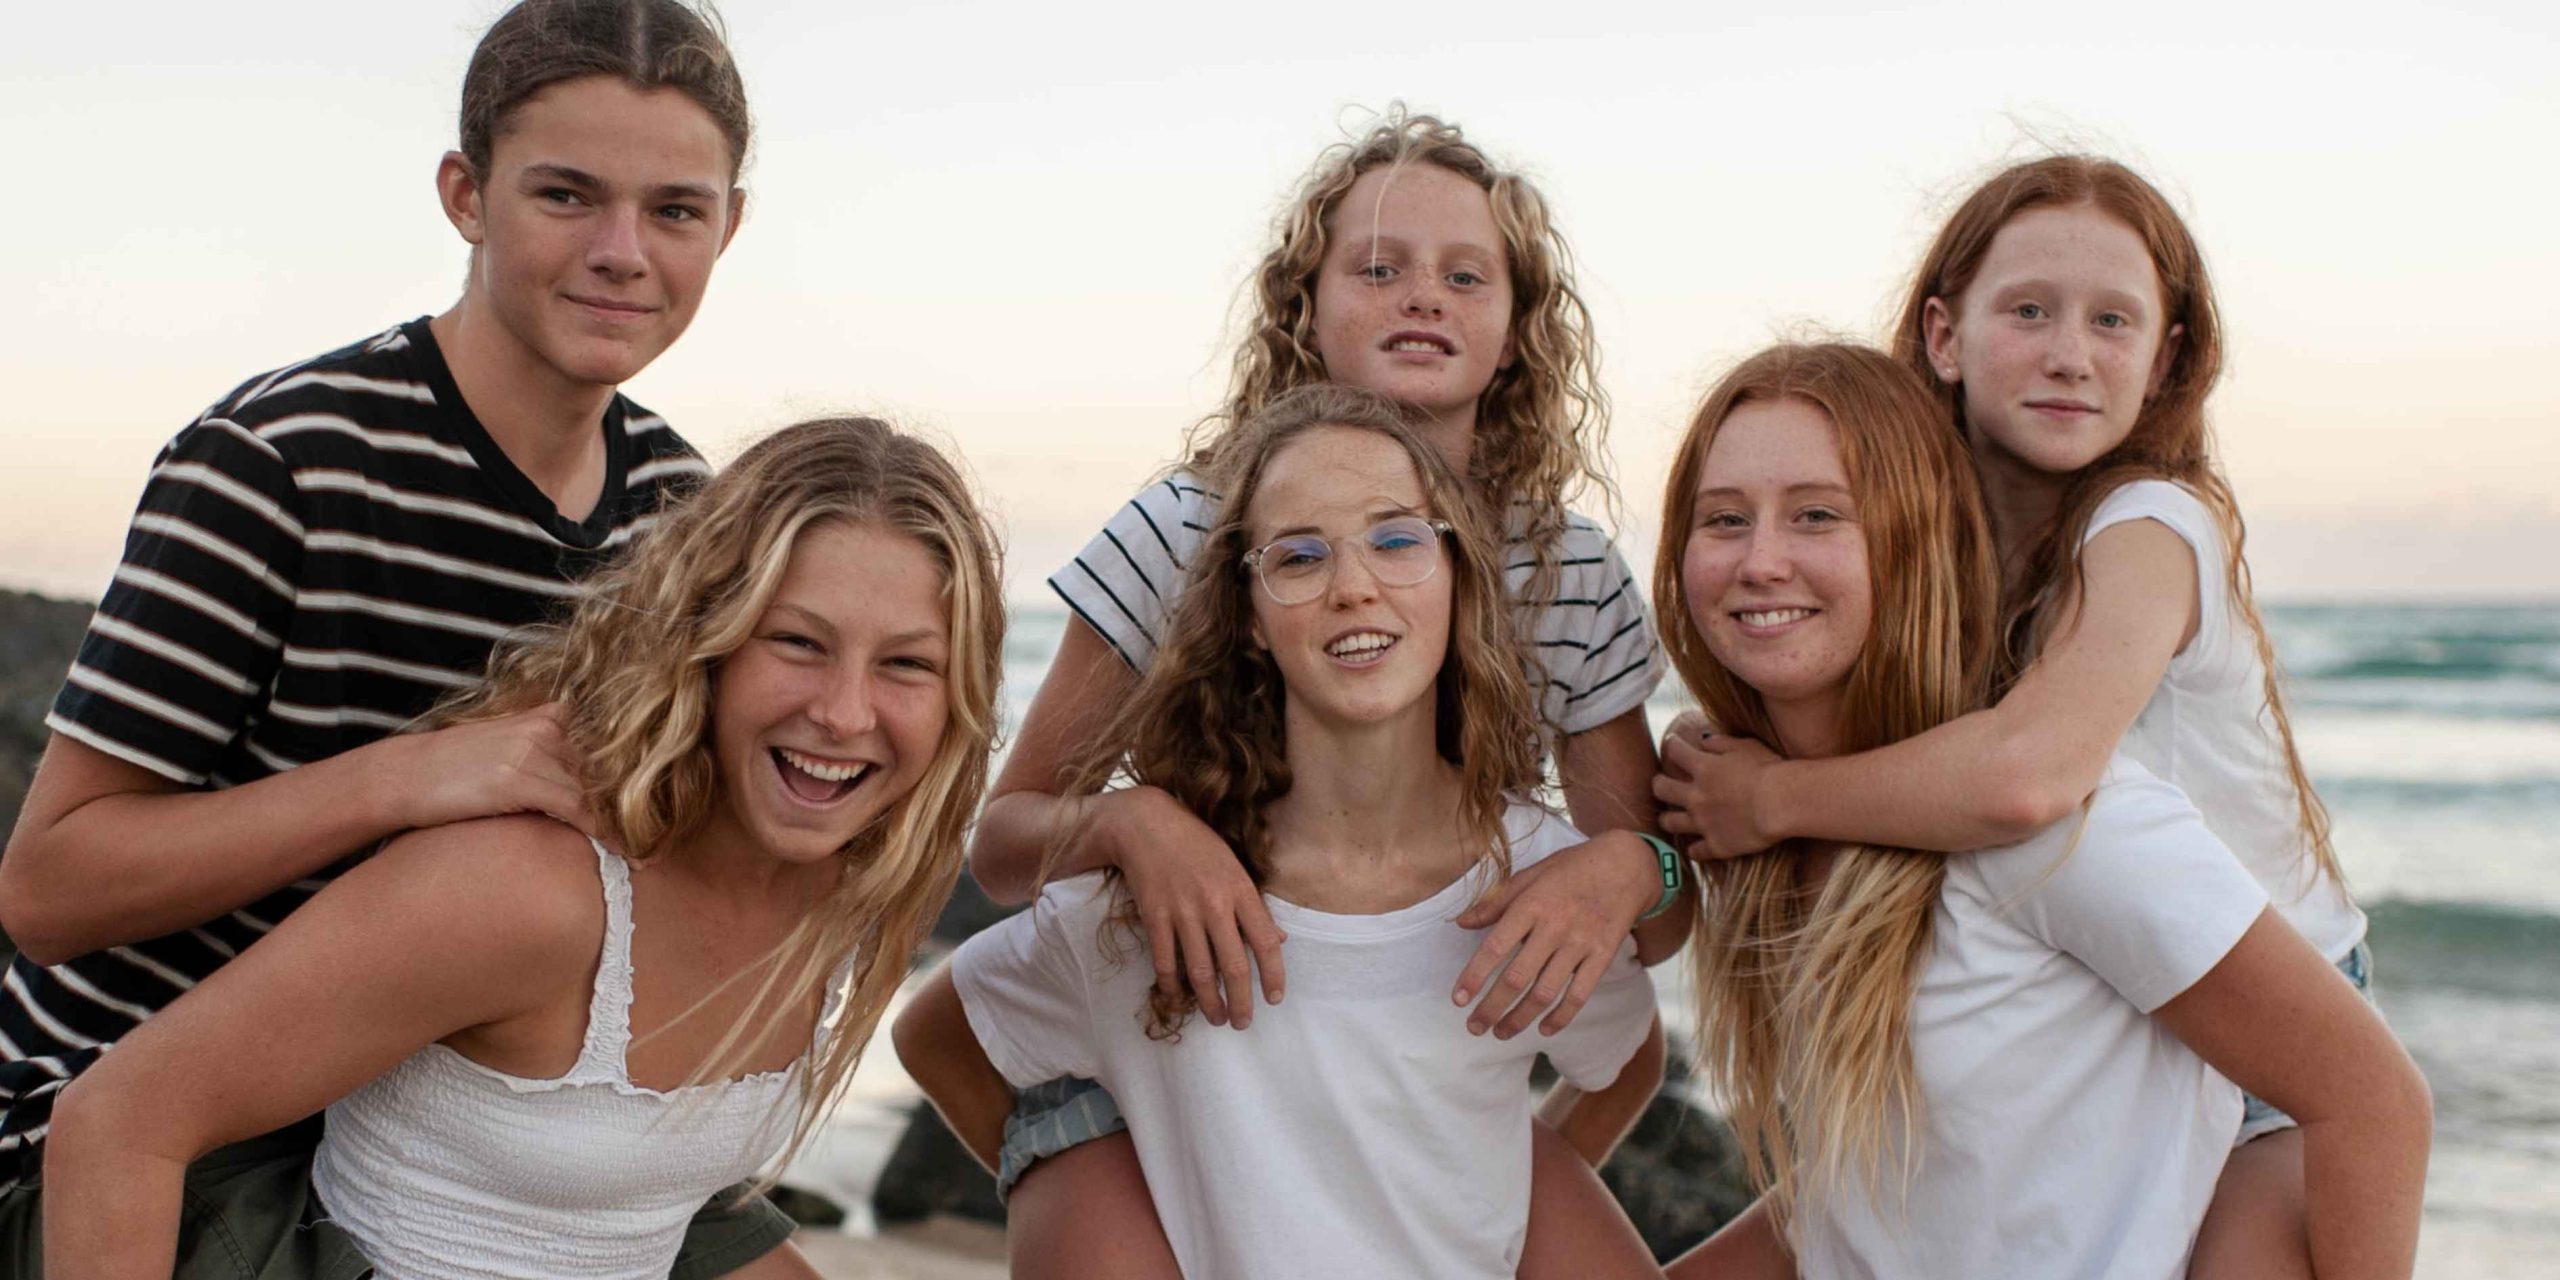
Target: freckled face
[[832, 711], [2058, 340], [1775, 566], [1413, 298], [597, 225], [1363, 650]]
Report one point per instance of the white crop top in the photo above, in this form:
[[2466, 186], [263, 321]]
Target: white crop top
[[446, 1168]]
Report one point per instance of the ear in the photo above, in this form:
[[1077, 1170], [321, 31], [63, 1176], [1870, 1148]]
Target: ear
[[1261, 642], [1938, 338], [2166, 360], [1510, 352], [458, 192], [737, 216]]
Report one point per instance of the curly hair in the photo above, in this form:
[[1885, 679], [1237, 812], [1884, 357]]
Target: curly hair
[[635, 663], [1805, 997], [1542, 423], [2170, 439], [1207, 722]]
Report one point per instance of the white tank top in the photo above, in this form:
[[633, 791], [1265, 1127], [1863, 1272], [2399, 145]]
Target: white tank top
[[447, 1168]]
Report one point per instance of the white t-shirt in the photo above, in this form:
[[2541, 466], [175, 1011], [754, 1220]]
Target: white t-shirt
[[2068, 1135], [2207, 731], [1592, 639], [1355, 1129]]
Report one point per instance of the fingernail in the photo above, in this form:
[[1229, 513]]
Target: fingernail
[[1462, 997], [1475, 1028]]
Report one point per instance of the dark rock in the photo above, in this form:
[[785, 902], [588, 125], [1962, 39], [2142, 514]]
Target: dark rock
[[929, 1172], [806, 1207], [1679, 1174]]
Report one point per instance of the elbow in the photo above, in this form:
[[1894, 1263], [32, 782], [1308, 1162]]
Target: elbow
[[2029, 790], [31, 916], [995, 862]]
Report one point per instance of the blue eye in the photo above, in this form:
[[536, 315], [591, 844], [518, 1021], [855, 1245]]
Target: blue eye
[[1393, 540]]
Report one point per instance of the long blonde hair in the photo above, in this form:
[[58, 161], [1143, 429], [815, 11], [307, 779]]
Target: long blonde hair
[[1207, 721], [1541, 424], [634, 666], [2169, 441], [1805, 997]]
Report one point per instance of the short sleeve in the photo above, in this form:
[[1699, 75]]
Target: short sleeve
[[2142, 893], [1596, 638], [1124, 582], [1022, 983], [2184, 514], [186, 640], [1591, 1052]]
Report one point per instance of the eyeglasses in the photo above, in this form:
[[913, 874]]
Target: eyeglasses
[[1402, 552]]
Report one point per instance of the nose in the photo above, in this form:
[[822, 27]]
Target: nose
[[844, 707], [1426, 295], [614, 251], [1354, 582], [2066, 353], [1767, 559]]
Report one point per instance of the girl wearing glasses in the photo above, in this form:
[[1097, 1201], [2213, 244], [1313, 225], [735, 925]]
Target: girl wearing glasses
[[1411, 265], [1337, 696]]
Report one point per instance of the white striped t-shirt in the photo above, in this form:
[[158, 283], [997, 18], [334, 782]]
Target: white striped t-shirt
[[1593, 637]]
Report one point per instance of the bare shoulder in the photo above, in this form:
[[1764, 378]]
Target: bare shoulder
[[525, 886]]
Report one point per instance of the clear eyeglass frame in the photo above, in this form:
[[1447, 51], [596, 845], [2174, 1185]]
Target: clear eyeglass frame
[[1297, 581]]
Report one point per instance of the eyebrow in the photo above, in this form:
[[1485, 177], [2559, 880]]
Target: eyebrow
[[1400, 245], [817, 623], [554, 172], [1809, 486], [1377, 516]]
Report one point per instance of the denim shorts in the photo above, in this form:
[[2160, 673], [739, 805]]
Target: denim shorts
[[1050, 1118], [2259, 1118]]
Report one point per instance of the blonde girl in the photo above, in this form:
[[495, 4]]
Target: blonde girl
[[1340, 697], [2067, 326], [541, 1053], [2011, 1063], [1412, 265]]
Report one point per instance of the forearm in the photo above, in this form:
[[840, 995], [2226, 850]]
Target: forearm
[[134, 865], [1594, 1123], [2363, 1181], [1016, 833], [110, 1206], [1968, 784]]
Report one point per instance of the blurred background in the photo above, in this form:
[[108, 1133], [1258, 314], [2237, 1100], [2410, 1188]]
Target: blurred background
[[1024, 227]]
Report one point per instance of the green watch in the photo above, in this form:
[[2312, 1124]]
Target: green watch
[[1671, 874]]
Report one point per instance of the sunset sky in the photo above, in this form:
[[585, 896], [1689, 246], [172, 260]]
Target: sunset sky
[[1024, 227]]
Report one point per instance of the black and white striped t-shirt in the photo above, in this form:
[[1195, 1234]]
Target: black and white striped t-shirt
[[315, 561], [1593, 637]]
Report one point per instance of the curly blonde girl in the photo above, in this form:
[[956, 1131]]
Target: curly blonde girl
[[1542, 423], [1805, 993], [635, 664], [1207, 722]]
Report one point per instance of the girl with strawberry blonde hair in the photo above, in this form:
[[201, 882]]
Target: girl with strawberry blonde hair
[[2067, 327]]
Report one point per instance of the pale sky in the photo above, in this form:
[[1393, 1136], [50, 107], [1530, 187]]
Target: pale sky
[[1024, 226]]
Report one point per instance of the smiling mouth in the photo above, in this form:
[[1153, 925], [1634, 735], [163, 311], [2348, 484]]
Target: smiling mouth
[[1421, 343], [1764, 618], [1361, 648], [608, 307], [817, 780]]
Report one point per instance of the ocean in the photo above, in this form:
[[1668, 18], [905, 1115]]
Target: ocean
[[2433, 732]]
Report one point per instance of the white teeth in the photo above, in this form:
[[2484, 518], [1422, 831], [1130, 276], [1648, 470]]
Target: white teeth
[[1359, 642], [1417, 344], [1772, 617], [820, 769]]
